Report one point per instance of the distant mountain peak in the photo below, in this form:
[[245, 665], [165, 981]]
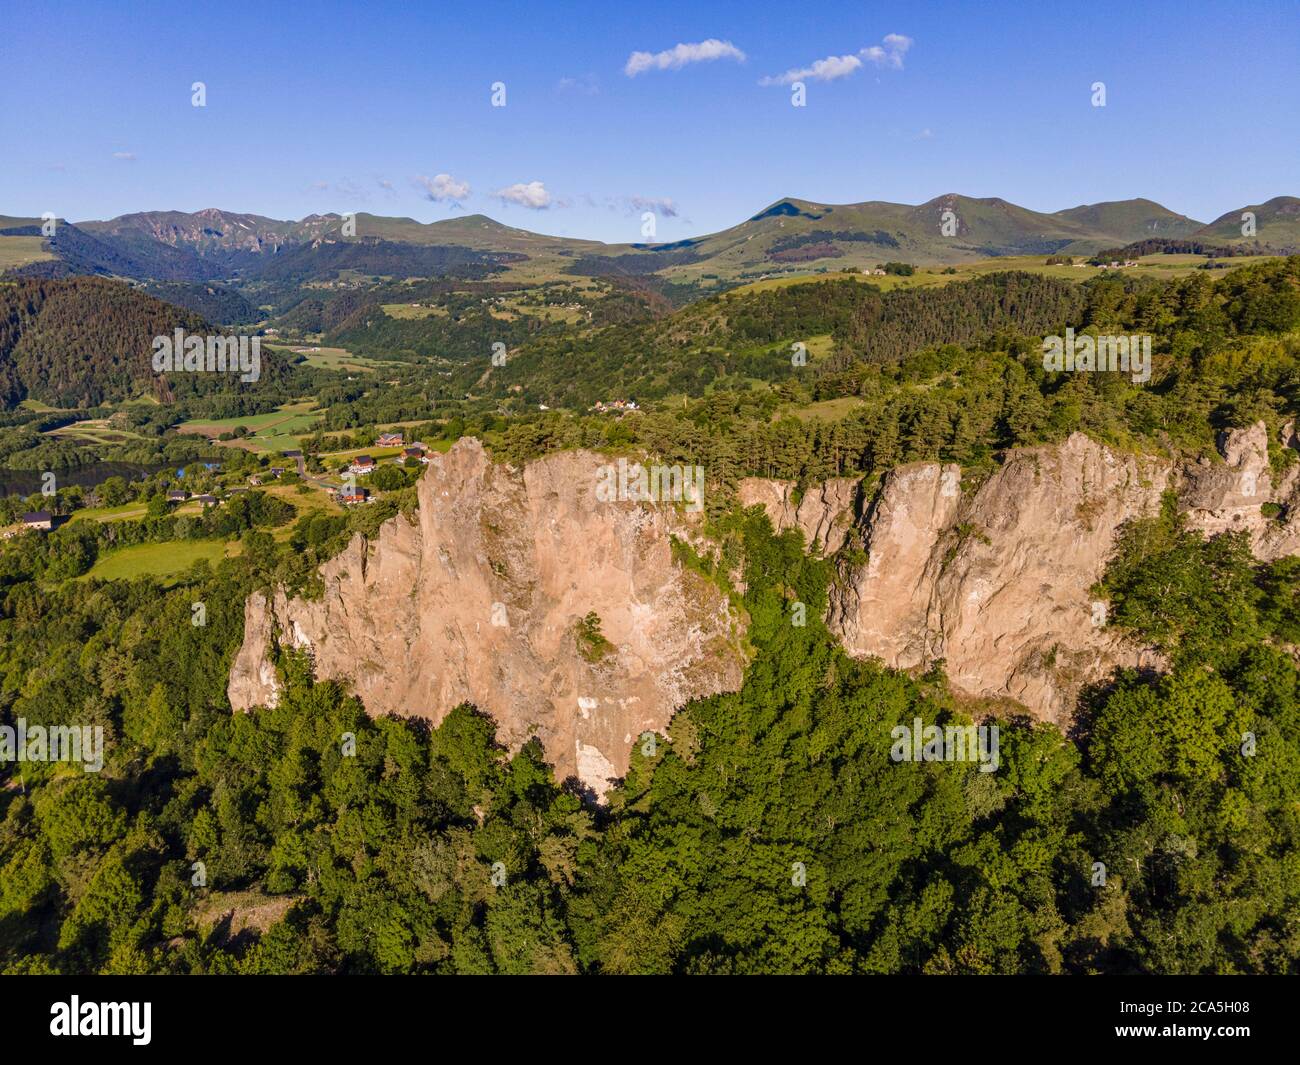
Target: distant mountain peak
[[789, 236], [790, 208]]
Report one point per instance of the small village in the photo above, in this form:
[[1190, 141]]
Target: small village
[[293, 469]]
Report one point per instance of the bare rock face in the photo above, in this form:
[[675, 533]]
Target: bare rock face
[[252, 675], [775, 497], [1282, 537], [479, 599], [1226, 497], [824, 515], [997, 582], [887, 613]]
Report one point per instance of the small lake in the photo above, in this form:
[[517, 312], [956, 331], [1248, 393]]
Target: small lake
[[25, 482]]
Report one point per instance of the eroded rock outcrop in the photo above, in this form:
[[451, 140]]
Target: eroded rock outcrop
[[478, 598], [824, 514], [1232, 495], [478, 601], [996, 582], [887, 613], [1226, 496]]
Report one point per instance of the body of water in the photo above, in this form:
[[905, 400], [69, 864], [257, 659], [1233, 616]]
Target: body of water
[[25, 482]]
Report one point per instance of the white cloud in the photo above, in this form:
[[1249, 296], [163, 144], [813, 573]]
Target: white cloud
[[676, 58], [828, 69], [128, 156], [443, 188], [532, 195], [660, 205], [889, 53], [895, 46]]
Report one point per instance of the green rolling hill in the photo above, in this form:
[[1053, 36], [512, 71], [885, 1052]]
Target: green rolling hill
[[1277, 225], [1127, 221]]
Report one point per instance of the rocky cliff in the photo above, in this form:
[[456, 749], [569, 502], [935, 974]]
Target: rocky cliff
[[824, 513], [1231, 495], [479, 599], [997, 580]]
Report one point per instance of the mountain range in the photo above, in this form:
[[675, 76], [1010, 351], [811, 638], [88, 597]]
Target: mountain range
[[790, 236]]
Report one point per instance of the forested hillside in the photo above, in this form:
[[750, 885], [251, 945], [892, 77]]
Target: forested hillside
[[729, 341], [82, 341], [770, 833], [214, 303]]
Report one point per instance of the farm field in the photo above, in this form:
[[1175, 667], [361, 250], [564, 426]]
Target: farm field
[[378, 453], [928, 277], [94, 431], [549, 312], [305, 503], [273, 432], [324, 358], [384, 427], [19, 251], [159, 560], [404, 311], [375, 453], [125, 512]]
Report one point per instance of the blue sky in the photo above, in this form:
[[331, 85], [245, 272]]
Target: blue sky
[[319, 107]]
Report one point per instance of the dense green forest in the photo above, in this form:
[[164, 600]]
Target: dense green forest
[[770, 832], [84, 341], [137, 255], [953, 370], [379, 258], [1225, 355], [736, 341], [212, 302]]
